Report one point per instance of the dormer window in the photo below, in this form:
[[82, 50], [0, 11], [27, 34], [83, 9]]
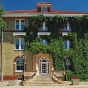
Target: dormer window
[[44, 9]]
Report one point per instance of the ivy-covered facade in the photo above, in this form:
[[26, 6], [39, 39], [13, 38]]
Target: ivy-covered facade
[[45, 38]]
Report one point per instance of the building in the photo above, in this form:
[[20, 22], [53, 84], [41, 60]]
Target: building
[[13, 43]]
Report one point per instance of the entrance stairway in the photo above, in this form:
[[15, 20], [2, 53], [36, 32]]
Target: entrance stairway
[[44, 81]]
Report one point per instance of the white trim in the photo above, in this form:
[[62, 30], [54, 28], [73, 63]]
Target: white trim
[[68, 44], [19, 33], [68, 26], [44, 26], [44, 33], [36, 14], [64, 33], [18, 70]]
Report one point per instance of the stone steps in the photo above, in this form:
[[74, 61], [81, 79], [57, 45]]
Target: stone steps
[[43, 81]]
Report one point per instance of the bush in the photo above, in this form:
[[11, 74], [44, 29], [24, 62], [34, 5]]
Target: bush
[[69, 75]]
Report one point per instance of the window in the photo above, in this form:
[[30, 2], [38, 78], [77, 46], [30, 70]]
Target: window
[[43, 41], [19, 64], [67, 26], [66, 44], [43, 27], [19, 44], [68, 64], [44, 9], [19, 24]]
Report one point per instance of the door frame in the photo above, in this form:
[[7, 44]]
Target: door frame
[[42, 61]]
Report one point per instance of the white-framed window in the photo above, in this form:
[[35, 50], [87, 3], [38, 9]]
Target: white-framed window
[[66, 44], [43, 41], [19, 44], [19, 24], [20, 64], [67, 26], [44, 9], [43, 27]]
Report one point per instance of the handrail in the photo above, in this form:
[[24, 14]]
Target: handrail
[[57, 76], [56, 80], [29, 79]]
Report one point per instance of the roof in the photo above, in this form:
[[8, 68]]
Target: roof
[[44, 3], [52, 12]]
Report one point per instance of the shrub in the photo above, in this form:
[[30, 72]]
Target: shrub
[[69, 75]]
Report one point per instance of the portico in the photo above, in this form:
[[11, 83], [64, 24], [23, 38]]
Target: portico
[[42, 63]]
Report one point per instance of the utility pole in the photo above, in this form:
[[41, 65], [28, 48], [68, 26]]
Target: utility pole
[[2, 26], [1, 55]]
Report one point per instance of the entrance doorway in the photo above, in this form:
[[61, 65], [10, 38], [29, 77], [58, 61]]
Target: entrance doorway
[[44, 66]]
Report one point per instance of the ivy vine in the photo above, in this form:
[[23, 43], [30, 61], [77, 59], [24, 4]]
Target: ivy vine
[[78, 53]]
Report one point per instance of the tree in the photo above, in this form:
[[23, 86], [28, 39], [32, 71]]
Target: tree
[[2, 23]]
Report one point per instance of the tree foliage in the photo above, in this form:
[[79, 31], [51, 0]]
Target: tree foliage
[[2, 23]]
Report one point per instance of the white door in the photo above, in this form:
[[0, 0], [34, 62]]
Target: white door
[[44, 67]]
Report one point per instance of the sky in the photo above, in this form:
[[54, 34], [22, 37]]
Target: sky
[[71, 5]]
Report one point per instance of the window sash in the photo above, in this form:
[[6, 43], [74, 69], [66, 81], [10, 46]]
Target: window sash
[[19, 64], [43, 27], [67, 26], [19, 24], [19, 44], [44, 9], [43, 41], [67, 44]]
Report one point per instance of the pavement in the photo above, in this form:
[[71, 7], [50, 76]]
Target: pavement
[[81, 85]]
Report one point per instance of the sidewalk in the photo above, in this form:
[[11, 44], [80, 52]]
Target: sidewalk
[[76, 86], [81, 85]]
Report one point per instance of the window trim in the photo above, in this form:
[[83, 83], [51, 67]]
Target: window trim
[[19, 44], [19, 23]]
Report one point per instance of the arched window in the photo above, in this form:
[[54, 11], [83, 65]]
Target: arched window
[[19, 64]]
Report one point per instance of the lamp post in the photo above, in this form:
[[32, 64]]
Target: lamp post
[[23, 57], [65, 57]]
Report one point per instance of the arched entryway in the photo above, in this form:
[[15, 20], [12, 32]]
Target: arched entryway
[[44, 66]]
